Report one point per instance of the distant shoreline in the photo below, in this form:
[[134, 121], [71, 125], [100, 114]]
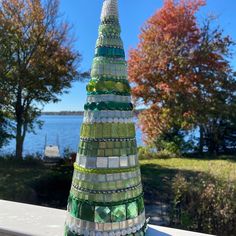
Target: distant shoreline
[[63, 113], [73, 113]]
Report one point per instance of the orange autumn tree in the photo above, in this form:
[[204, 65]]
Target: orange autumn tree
[[175, 69]]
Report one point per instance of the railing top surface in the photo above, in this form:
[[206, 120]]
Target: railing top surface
[[18, 219]]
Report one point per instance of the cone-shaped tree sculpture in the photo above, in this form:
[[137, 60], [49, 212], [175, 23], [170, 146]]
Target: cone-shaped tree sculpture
[[106, 196]]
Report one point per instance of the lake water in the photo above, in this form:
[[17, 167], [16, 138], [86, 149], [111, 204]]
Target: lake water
[[66, 128]]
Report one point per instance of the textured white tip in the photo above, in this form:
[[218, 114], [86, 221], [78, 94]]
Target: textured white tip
[[110, 8]]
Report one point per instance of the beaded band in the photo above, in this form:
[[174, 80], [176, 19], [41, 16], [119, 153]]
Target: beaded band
[[108, 114], [104, 171], [107, 139], [107, 98], [99, 191], [77, 226], [108, 106], [113, 197]]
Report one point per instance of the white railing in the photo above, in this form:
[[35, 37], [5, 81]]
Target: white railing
[[17, 219]]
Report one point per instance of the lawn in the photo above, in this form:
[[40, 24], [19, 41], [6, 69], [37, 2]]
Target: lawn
[[157, 174], [31, 182]]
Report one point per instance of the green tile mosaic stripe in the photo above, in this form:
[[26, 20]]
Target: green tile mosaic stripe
[[106, 149], [109, 52], [110, 177], [107, 130], [94, 203], [108, 29], [109, 42], [105, 214], [121, 184], [108, 92], [108, 61], [110, 20], [110, 162], [113, 69]]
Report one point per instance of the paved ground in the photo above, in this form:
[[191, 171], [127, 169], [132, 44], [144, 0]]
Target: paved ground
[[158, 214]]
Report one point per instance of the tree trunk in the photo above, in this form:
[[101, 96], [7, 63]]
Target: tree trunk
[[19, 140], [201, 140], [19, 124]]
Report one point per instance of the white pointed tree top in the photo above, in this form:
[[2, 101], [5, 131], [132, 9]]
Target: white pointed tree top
[[109, 8]]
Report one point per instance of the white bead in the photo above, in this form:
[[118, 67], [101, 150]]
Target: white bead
[[117, 233], [134, 229]]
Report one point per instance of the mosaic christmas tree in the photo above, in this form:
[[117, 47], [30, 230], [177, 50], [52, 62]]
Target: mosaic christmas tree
[[106, 196]]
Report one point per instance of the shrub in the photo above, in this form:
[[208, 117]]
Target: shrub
[[146, 152], [204, 204]]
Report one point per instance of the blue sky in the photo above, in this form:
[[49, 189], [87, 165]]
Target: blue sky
[[84, 15]]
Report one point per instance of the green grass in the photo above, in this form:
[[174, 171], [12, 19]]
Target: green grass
[[157, 174], [31, 182]]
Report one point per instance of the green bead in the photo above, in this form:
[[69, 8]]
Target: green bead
[[118, 213], [132, 210], [109, 85], [102, 214], [100, 86]]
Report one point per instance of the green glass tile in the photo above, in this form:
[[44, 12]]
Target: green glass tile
[[123, 145], [118, 144], [86, 212], [101, 152], [140, 204], [102, 214], [132, 210], [118, 213], [102, 145], [110, 144], [108, 152], [123, 152], [74, 207], [116, 152], [93, 152]]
